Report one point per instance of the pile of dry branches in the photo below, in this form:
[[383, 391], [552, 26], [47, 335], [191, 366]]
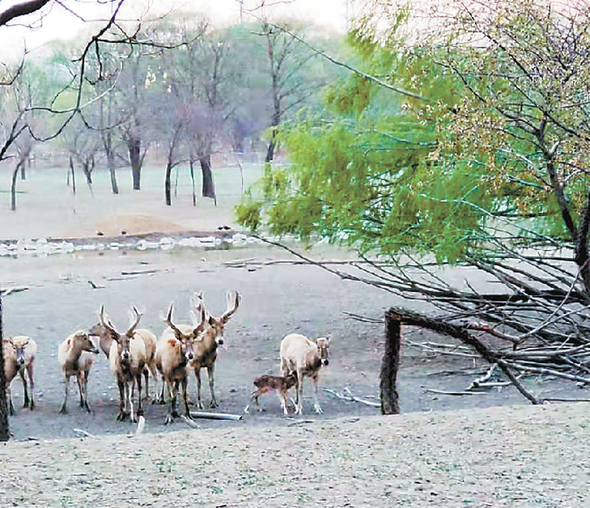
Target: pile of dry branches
[[526, 312]]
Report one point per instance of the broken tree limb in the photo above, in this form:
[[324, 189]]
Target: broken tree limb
[[216, 416], [444, 392], [83, 433], [349, 397], [438, 325], [17, 289], [440, 349], [480, 381]]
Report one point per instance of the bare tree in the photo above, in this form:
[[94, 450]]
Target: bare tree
[[288, 87]]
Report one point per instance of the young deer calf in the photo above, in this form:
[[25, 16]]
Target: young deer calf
[[267, 383]]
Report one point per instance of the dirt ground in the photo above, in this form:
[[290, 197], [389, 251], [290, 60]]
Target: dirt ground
[[489, 449]]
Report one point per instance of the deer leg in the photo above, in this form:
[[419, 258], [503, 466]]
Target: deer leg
[[162, 397], [198, 376], [84, 384], [175, 387], [146, 375], [184, 397], [139, 407], [122, 401], [154, 373], [22, 376], [299, 393], [63, 409], [171, 407], [316, 404], [31, 385], [80, 381], [284, 402], [211, 376]]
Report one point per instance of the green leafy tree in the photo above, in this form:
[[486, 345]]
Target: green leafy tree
[[463, 142]]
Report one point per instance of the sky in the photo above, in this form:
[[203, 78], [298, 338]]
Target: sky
[[61, 24]]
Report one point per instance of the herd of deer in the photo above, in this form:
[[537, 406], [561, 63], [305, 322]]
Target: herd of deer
[[182, 348]]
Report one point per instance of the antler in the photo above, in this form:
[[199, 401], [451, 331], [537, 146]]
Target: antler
[[134, 325], [171, 324], [198, 305], [107, 324], [233, 302]]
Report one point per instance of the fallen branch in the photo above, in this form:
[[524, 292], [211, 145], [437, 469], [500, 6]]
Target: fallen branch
[[216, 416], [491, 384], [83, 433], [550, 372], [483, 381], [17, 289], [142, 272], [299, 422], [557, 399], [363, 319], [440, 350], [349, 397], [443, 392]]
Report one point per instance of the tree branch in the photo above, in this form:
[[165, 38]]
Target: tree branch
[[21, 9]]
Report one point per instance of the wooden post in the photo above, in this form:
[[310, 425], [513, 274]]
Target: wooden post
[[390, 366], [4, 430]]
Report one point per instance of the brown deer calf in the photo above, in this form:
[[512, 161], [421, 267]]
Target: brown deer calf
[[267, 383]]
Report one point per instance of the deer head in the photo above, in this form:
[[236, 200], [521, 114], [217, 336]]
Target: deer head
[[218, 324], [123, 340], [323, 344], [186, 339], [19, 348]]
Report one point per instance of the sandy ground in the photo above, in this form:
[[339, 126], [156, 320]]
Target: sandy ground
[[498, 457], [440, 452]]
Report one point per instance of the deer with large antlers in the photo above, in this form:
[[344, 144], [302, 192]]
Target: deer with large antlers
[[174, 351], [127, 358], [205, 346], [149, 339]]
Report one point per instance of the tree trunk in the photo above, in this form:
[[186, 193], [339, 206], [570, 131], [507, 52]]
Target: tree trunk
[[112, 171], [13, 186], [4, 430], [270, 152], [134, 147], [390, 366], [167, 185], [73, 176], [276, 121], [208, 189], [87, 168], [192, 170]]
